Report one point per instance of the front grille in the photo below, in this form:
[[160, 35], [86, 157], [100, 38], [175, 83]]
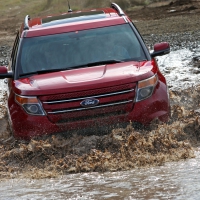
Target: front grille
[[89, 108], [86, 93], [82, 98], [67, 107], [93, 114], [93, 117]]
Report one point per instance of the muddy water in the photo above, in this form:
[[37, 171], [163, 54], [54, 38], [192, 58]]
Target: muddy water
[[177, 180], [126, 164]]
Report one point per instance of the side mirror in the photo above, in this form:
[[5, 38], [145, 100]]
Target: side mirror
[[4, 73], [161, 49]]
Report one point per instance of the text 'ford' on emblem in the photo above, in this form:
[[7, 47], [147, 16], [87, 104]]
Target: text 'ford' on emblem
[[90, 102]]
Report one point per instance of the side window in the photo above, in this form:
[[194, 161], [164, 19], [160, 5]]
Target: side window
[[14, 52]]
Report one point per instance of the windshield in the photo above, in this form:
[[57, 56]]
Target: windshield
[[68, 50]]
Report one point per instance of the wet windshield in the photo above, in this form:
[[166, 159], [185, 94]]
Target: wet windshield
[[67, 50]]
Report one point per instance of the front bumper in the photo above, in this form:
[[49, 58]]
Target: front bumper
[[26, 126]]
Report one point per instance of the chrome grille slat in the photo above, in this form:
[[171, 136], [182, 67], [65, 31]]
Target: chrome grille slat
[[100, 106], [95, 96]]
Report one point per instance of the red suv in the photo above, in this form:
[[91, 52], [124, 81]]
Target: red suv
[[81, 70]]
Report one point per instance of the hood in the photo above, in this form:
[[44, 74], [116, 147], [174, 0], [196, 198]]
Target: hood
[[85, 78]]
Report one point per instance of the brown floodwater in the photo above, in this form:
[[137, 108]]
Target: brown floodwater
[[174, 180], [162, 162]]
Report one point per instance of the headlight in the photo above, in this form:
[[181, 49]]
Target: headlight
[[30, 104], [146, 87]]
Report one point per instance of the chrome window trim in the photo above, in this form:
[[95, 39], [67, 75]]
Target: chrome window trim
[[125, 19]]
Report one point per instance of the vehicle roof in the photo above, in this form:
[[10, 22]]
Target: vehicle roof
[[71, 21]]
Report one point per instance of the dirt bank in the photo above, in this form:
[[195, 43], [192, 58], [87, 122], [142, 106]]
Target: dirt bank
[[168, 17]]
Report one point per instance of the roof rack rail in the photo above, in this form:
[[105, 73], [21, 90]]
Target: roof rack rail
[[118, 9], [26, 26]]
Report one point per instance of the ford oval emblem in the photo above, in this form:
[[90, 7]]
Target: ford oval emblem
[[89, 102]]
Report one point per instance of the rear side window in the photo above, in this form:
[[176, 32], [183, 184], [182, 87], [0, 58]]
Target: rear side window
[[64, 51]]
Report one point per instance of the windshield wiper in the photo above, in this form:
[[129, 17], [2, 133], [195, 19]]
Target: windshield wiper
[[73, 67], [42, 71], [104, 62]]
